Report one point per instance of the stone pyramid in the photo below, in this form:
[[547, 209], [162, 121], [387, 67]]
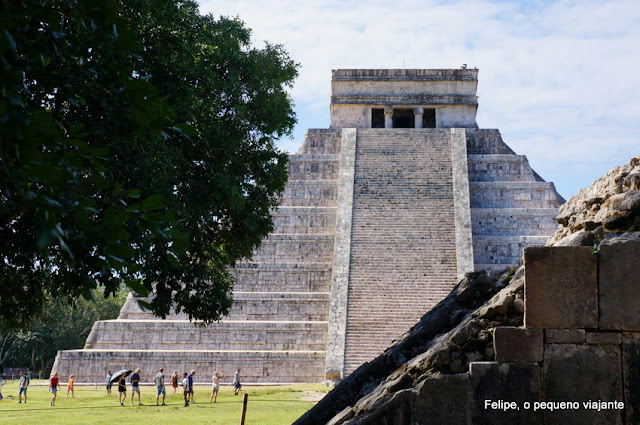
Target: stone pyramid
[[383, 213]]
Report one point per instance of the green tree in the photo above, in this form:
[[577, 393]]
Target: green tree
[[65, 324], [136, 145]]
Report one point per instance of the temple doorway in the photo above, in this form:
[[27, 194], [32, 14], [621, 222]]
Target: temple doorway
[[403, 118], [377, 118], [429, 118]]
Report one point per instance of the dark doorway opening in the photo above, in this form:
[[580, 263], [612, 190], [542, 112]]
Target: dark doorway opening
[[403, 118], [377, 118], [429, 118]]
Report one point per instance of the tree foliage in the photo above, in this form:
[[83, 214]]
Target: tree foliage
[[136, 145], [64, 324]]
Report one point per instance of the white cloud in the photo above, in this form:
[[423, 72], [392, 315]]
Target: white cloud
[[558, 78]]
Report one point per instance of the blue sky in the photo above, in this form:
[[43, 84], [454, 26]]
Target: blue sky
[[560, 79]]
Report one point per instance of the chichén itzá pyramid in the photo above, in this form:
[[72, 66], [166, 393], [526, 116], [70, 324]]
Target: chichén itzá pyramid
[[383, 213]]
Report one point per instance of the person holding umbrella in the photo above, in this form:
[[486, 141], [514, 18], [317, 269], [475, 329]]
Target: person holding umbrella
[[122, 389], [119, 377]]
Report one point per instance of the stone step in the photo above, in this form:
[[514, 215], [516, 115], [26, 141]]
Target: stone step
[[314, 167], [290, 306], [491, 267], [293, 248], [283, 277], [260, 306], [224, 335], [320, 140], [304, 220], [307, 193], [508, 194], [500, 168], [514, 221], [486, 141], [503, 250], [260, 366]]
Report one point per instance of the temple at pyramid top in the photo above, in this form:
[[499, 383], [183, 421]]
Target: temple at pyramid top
[[404, 98]]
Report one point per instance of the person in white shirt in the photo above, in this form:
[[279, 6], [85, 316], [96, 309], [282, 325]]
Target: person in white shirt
[[185, 389]]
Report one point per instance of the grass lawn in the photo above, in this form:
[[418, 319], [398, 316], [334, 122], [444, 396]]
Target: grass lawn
[[272, 405]]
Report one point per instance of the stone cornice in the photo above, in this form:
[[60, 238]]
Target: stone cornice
[[425, 99], [404, 75]]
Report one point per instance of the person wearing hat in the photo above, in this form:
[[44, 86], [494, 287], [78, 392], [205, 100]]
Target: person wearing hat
[[135, 386]]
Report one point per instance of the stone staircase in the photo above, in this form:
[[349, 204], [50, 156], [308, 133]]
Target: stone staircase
[[403, 254], [511, 206]]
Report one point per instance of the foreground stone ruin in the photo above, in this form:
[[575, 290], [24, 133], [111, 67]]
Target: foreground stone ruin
[[580, 343], [555, 342], [383, 214]]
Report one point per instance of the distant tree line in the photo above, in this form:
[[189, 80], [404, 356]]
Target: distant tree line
[[65, 324]]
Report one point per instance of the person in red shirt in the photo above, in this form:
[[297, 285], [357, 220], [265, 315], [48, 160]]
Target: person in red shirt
[[53, 387]]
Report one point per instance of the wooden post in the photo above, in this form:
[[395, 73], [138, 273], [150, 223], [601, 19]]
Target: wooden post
[[244, 408]]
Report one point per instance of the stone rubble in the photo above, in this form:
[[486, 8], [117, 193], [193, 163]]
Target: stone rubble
[[610, 206]]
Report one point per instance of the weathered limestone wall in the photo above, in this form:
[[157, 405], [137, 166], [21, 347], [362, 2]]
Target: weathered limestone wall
[[228, 335], [359, 115], [462, 116], [511, 206], [451, 92], [258, 366], [576, 359], [581, 335]]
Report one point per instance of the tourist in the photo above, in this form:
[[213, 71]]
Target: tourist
[[122, 389], [174, 381], [185, 389], [190, 384], [135, 386], [216, 386], [22, 387], [70, 384], [109, 376], [236, 382], [53, 387], [159, 380]]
